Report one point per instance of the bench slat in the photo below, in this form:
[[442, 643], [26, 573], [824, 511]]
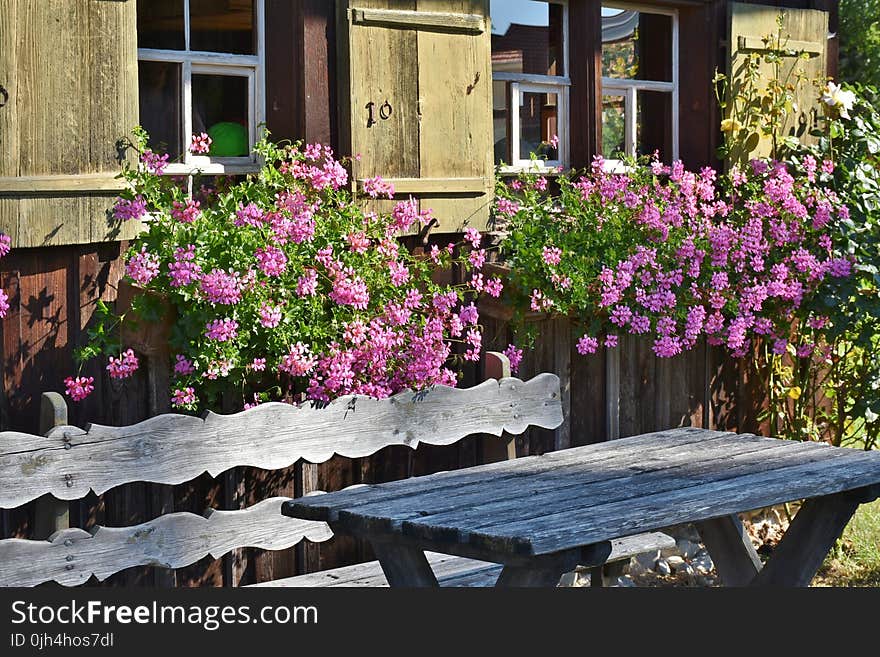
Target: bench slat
[[173, 448], [71, 556], [454, 571]]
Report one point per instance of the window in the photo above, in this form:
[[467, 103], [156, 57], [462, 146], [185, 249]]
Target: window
[[200, 69], [639, 81], [530, 82]]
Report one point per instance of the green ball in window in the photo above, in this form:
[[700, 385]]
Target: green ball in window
[[228, 139]]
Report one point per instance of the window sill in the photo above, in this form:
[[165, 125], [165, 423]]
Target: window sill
[[229, 168], [541, 170]]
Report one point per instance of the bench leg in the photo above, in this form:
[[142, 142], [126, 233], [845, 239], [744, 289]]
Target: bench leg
[[731, 549], [404, 566]]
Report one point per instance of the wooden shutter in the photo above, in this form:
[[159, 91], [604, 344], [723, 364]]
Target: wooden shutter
[[425, 67], [69, 71], [807, 31]]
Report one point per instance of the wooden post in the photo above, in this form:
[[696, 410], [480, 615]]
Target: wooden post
[[51, 514], [497, 366], [307, 554], [612, 393], [662, 392], [562, 367]]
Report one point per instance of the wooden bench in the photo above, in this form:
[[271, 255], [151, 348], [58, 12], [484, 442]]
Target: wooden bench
[[69, 462]]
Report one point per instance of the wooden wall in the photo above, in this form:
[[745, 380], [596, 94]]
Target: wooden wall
[[52, 291]]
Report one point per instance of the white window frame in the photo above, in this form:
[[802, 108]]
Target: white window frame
[[630, 89], [554, 84], [252, 67]]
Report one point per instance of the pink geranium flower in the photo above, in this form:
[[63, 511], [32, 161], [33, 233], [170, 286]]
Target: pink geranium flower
[[200, 143], [80, 387]]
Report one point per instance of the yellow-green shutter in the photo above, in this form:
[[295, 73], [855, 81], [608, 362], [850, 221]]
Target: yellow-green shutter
[[69, 70], [803, 31], [425, 67]]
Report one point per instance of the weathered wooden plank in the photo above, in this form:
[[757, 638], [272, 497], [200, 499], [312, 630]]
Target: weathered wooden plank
[[9, 74], [843, 471], [455, 571], [66, 157], [48, 184], [174, 540], [51, 515], [441, 484], [427, 20], [455, 112], [731, 548], [562, 346], [171, 449], [581, 491], [497, 366], [482, 578], [589, 416], [537, 475], [687, 482], [748, 23], [446, 568], [427, 185]]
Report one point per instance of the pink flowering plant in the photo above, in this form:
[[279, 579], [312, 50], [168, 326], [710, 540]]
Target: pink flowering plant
[[282, 286], [675, 256]]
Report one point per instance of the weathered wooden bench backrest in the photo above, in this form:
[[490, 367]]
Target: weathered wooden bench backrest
[[171, 449]]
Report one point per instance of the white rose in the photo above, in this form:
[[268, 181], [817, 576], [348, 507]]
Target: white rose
[[838, 99]]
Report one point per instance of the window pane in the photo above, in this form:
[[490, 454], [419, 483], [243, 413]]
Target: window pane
[[527, 37], [220, 108], [654, 124], [206, 188], [613, 126], [160, 24], [159, 92], [222, 26], [501, 121], [636, 45], [538, 113]]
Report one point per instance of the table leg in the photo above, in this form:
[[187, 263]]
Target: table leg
[[811, 535], [731, 549], [607, 574], [545, 570], [518, 576], [404, 566]]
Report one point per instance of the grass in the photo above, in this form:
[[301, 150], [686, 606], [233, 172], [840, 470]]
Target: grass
[[855, 561]]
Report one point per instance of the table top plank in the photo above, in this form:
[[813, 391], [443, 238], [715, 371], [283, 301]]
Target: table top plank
[[324, 507], [585, 495], [540, 489], [692, 504], [581, 494]]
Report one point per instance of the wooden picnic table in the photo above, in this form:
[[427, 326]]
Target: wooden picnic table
[[542, 516]]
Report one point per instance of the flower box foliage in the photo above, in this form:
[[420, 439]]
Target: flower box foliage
[[676, 255], [280, 285]]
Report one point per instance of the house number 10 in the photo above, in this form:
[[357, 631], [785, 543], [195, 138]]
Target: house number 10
[[385, 112]]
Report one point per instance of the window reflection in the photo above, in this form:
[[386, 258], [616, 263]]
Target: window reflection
[[160, 24], [222, 26], [159, 99]]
